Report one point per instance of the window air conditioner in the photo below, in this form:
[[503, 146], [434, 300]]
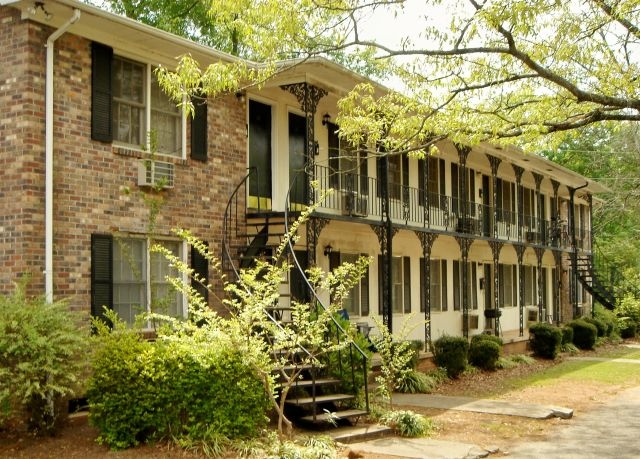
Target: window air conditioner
[[532, 315], [473, 321], [354, 204], [155, 173]]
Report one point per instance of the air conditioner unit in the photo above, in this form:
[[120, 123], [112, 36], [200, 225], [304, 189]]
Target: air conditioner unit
[[532, 315], [354, 204], [155, 173], [473, 321]]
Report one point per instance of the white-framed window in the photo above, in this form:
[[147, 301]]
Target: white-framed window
[[140, 107], [357, 302], [506, 201], [508, 293], [437, 283], [530, 286], [400, 285], [458, 285], [139, 279]]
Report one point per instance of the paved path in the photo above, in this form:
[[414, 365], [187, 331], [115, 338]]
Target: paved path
[[489, 406], [610, 431], [603, 359]]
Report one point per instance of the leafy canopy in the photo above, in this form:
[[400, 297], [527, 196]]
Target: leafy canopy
[[482, 70]]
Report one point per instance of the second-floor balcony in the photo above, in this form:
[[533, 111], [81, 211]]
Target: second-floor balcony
[[362, 197]]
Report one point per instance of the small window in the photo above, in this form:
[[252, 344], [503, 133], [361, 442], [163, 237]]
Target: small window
[[530, 286], [357, 302], [437, 284], [508, 293], [139, 280], [472, 287], [140, 107]]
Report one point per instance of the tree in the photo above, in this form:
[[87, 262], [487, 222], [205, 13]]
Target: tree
[[611, 157], [496, 70]]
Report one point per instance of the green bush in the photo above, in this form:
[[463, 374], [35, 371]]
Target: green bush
[[628, 314], [584, 334], [407, 423], [608, 318], [567, 335], [601, 327], [545, 340], [450, 353], [42, 351], [484, 351], [184, 387], [413, 382], [352, 381]]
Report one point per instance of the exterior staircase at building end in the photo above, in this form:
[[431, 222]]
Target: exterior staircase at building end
[[316, 397], [594, 284]]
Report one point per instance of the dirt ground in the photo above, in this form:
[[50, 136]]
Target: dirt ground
[[77, 440]]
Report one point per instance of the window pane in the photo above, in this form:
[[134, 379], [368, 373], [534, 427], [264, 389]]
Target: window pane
[[164, 298], [166, 121], [352, 301], [128, 101], [397, 286], [129, 278]]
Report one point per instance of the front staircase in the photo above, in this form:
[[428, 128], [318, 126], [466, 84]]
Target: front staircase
[[317, 394], [592, 280]]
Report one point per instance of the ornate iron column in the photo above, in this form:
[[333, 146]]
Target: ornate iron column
[[495, 163], [385, 236], [539, 254], [539, 217], [308, 97], [465, 244], [519, 191], [555, 236], [496, 247], [520, 252], [463, 154], [426, 208], [557, 286], [426, 241]]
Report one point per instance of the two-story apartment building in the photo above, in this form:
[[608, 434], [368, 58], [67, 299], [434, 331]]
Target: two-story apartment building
[[470, 239]]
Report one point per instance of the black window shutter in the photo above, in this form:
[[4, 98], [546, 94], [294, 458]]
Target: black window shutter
[[406, 279], [364, 291], [101, 273], [200, 267], [334, 262], [334, 155], [199, 129], [101, 92]]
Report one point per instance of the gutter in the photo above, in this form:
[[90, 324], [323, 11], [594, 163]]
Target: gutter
[[48, 213]]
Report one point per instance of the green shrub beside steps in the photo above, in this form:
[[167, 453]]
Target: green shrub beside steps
[[182, 389]]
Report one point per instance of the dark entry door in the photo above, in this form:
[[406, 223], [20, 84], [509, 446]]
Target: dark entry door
[[297, 158], [260, 155]]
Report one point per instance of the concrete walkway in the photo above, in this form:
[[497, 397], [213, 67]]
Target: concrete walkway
[[617, 421], [489, 406]]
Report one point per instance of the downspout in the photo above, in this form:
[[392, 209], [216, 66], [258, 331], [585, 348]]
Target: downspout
[[48, 149]]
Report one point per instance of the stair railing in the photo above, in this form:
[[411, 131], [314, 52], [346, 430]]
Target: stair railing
[[234, 214], [355, 352]]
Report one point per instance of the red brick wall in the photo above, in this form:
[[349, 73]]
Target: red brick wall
[[21, 151], [91, 178]]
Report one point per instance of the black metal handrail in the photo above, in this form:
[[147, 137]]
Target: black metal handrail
[[358, 195], [340, 332]]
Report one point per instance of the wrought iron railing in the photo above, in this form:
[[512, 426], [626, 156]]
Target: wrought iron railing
[[360, 196], [351, 358]]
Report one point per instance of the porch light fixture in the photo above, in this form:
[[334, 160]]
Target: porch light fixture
[[241, 96], [327, 250], [326, 119]]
